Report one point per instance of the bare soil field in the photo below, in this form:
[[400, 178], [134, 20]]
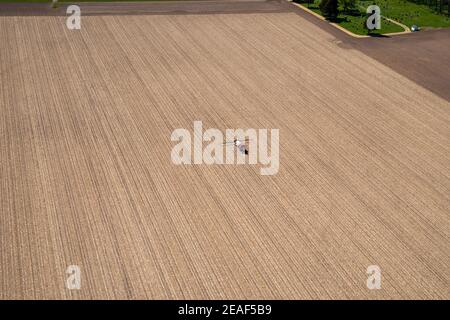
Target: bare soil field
[[86, 176]]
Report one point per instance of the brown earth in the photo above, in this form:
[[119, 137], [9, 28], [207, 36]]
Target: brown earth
[[87, 179]]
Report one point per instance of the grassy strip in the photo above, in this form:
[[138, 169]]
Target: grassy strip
[[410, 13], [355, 22]]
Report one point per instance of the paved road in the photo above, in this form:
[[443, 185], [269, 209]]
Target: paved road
[[422, 57], [157, 7]]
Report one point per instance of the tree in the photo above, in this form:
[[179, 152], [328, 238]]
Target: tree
[[329, 9]]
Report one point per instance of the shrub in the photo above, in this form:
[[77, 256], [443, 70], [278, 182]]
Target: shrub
[[349, 6]]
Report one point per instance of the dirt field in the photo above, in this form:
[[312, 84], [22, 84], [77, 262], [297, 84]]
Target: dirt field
[[86, 176]]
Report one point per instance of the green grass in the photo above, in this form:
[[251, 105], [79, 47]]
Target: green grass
[[356, 25], [403, 11], [355, 22], [410, 13]]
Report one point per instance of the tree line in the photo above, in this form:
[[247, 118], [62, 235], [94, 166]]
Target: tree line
[[330, 8]]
